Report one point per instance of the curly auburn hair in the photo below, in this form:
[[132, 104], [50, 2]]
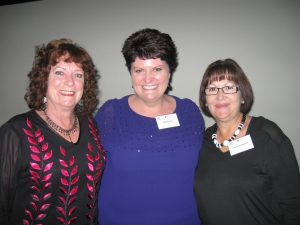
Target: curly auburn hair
[[226, 69], [150, 44], [47, 57]]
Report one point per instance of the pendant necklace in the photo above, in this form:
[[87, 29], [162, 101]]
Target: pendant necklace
[[226, 142], [61, 130]]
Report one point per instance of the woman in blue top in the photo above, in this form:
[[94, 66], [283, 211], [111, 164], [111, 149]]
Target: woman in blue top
[[152, 141]]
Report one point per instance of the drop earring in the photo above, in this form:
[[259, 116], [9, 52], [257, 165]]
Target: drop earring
[[44, 106], [80, 106]]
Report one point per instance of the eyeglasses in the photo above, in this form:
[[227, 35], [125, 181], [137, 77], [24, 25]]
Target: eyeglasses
[[226, 90]]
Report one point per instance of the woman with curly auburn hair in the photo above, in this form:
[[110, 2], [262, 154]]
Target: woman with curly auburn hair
[[51, 158]]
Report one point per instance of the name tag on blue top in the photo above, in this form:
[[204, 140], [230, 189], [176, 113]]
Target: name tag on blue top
[[167, 121]]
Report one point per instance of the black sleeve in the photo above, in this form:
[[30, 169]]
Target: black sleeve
[[10, 151], [286, 176]]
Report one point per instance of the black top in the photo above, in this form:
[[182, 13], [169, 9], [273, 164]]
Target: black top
[[45, 179], [257, 186]]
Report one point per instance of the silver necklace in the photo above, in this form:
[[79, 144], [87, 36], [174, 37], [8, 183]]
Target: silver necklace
[[226, 142], [61, 130]]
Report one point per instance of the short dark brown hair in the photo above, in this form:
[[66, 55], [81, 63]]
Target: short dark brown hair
[[50, 55], [226, 69], [150, 44]]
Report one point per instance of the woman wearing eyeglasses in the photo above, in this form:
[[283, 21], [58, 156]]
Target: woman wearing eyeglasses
[[247, 171]]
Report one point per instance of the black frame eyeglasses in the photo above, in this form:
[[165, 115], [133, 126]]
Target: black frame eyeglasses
[[226, 90]]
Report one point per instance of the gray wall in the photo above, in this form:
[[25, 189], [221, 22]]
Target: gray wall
[[263, 36]]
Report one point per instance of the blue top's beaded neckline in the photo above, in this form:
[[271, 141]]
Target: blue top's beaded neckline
[[226, 142]]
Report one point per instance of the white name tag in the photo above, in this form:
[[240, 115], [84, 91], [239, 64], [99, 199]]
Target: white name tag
[[167, 121], [240, 145]]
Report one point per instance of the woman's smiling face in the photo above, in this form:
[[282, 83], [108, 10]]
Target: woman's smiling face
[[65, 85], [150, 78], [223, 106]]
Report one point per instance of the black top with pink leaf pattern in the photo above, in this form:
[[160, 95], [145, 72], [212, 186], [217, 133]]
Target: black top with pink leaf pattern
[[45, 179]]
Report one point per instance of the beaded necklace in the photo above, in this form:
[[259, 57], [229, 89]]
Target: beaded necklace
[[60, 129], [226, 142]]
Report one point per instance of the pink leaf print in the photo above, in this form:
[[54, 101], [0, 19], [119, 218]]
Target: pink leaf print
[[44, 207], [62, 189], [34, 149], [91, 167], [36, 175], [47, 177], [64, 181], [89, 205], [63, 151], [45, 146], [27, 132], [47, 196], [90, 147], [41, 138], [33, 205], [34, 180], [72, 160], [88, 216], [97, 156], [97, 175], [72, 200], [35, 166], [64, 172], [75, 180], [74, 190], [25, 222], [90, 187], [93, 132], [35, 197], [72, 219], [35, 188], [89, 176], [28, 214], [31, 140], [90, 120], [60, 219], [91, 196], [61, 210], [47, 185], [72, 210], [62, 199], [74, 170], [29, 123], [90, 157], [41, 216], [48, 155], [48, 166], [99, 165], [63, 163], [35, 157], [37, 133]]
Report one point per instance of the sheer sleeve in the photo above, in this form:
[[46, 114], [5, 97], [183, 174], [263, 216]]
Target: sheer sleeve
[[105, 117], [10, 151], [286, 179]]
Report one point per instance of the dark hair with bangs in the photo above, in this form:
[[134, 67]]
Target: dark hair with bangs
[[150, 44], [226, 69], [47, 57]]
